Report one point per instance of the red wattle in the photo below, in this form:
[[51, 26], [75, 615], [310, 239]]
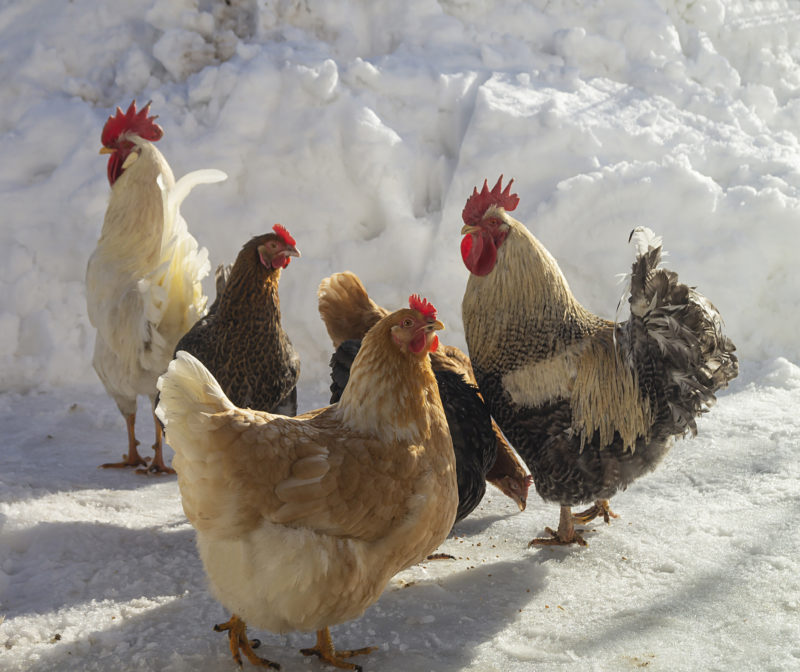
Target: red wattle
[[434, 343], [479, 253], [418, 343]]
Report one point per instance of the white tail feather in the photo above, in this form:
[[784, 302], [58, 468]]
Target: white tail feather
[[644, 239]]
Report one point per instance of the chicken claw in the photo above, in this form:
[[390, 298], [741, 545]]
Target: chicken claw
[[237, 638], [132, 459], [157, 465], [565, 535], [600, 508], [325, 651]]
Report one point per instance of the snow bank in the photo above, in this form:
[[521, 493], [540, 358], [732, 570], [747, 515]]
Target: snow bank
[[363, 126]]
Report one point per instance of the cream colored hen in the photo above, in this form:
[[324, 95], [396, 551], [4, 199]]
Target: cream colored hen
[[301, 522], [143, 279]]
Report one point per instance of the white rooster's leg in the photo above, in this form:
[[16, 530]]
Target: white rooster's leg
[[132, 459], [566, 533], [157, 465]]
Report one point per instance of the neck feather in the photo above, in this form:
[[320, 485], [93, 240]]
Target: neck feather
[[391, 393]]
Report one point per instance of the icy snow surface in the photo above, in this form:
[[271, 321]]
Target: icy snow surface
[[362, 127]]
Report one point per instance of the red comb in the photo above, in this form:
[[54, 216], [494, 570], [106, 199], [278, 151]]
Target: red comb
[[479, 203], [284, 234], [132, 121], [422, 305]]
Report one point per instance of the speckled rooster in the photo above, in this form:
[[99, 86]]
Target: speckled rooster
[[143, 279], [590, 404]]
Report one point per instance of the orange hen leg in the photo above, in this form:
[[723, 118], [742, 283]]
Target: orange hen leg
[[157, 465], [566, 533], [324, 649], [237, 639], [132, 459], [600, 508]]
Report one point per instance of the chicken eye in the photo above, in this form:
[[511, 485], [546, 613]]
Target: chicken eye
[[408, 322]]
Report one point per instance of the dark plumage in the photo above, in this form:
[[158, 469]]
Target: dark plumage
[[474, 442], [589, 404], [241, 340]]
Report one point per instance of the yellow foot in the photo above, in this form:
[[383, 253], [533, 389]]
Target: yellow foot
[[325, 651], [156, 465], [556, 540], [132, 459], [565, 535], [237, 638], [600, 508], [155, 468]]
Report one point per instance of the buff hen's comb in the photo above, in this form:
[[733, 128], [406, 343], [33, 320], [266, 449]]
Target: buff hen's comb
[[422, 305]]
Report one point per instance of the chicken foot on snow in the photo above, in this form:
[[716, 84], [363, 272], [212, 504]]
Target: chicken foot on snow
[[600, 508], [133, 459], [565, 535], [237, 638], [324, 649]]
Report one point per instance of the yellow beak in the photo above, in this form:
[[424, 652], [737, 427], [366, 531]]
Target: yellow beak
[[468, 228], [107, 150]]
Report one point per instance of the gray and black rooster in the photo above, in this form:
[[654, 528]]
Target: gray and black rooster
[[589, 404]]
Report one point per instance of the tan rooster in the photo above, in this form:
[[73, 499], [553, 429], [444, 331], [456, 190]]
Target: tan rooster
[[301, 522], [143, 279], [590, 404]]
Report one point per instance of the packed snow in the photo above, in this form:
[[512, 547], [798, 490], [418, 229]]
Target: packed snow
[[362, 126]]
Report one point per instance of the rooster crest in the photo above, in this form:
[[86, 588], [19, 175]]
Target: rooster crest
[[131, 121], [479, 203], [422, 305]]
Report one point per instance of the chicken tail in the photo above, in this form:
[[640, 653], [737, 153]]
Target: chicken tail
[[675, 340], [345, 307], [188, 391]]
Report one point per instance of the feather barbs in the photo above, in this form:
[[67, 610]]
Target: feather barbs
[[137, 122], [480, 202]]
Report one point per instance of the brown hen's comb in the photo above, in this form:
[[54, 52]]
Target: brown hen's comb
[[479, 203], [285, 236], [422, 305], [133, 121]]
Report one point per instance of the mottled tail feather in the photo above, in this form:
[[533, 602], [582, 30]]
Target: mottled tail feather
[[675, 338]]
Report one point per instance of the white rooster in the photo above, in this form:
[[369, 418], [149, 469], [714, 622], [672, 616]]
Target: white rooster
[[143, 287]]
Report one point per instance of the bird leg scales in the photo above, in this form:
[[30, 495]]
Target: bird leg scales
[[600, 508], [565, 535], [325, 651], [132, 459], [237, 638], [157, 465]]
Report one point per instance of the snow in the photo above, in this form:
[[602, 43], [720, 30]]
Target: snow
[[362, 127]]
